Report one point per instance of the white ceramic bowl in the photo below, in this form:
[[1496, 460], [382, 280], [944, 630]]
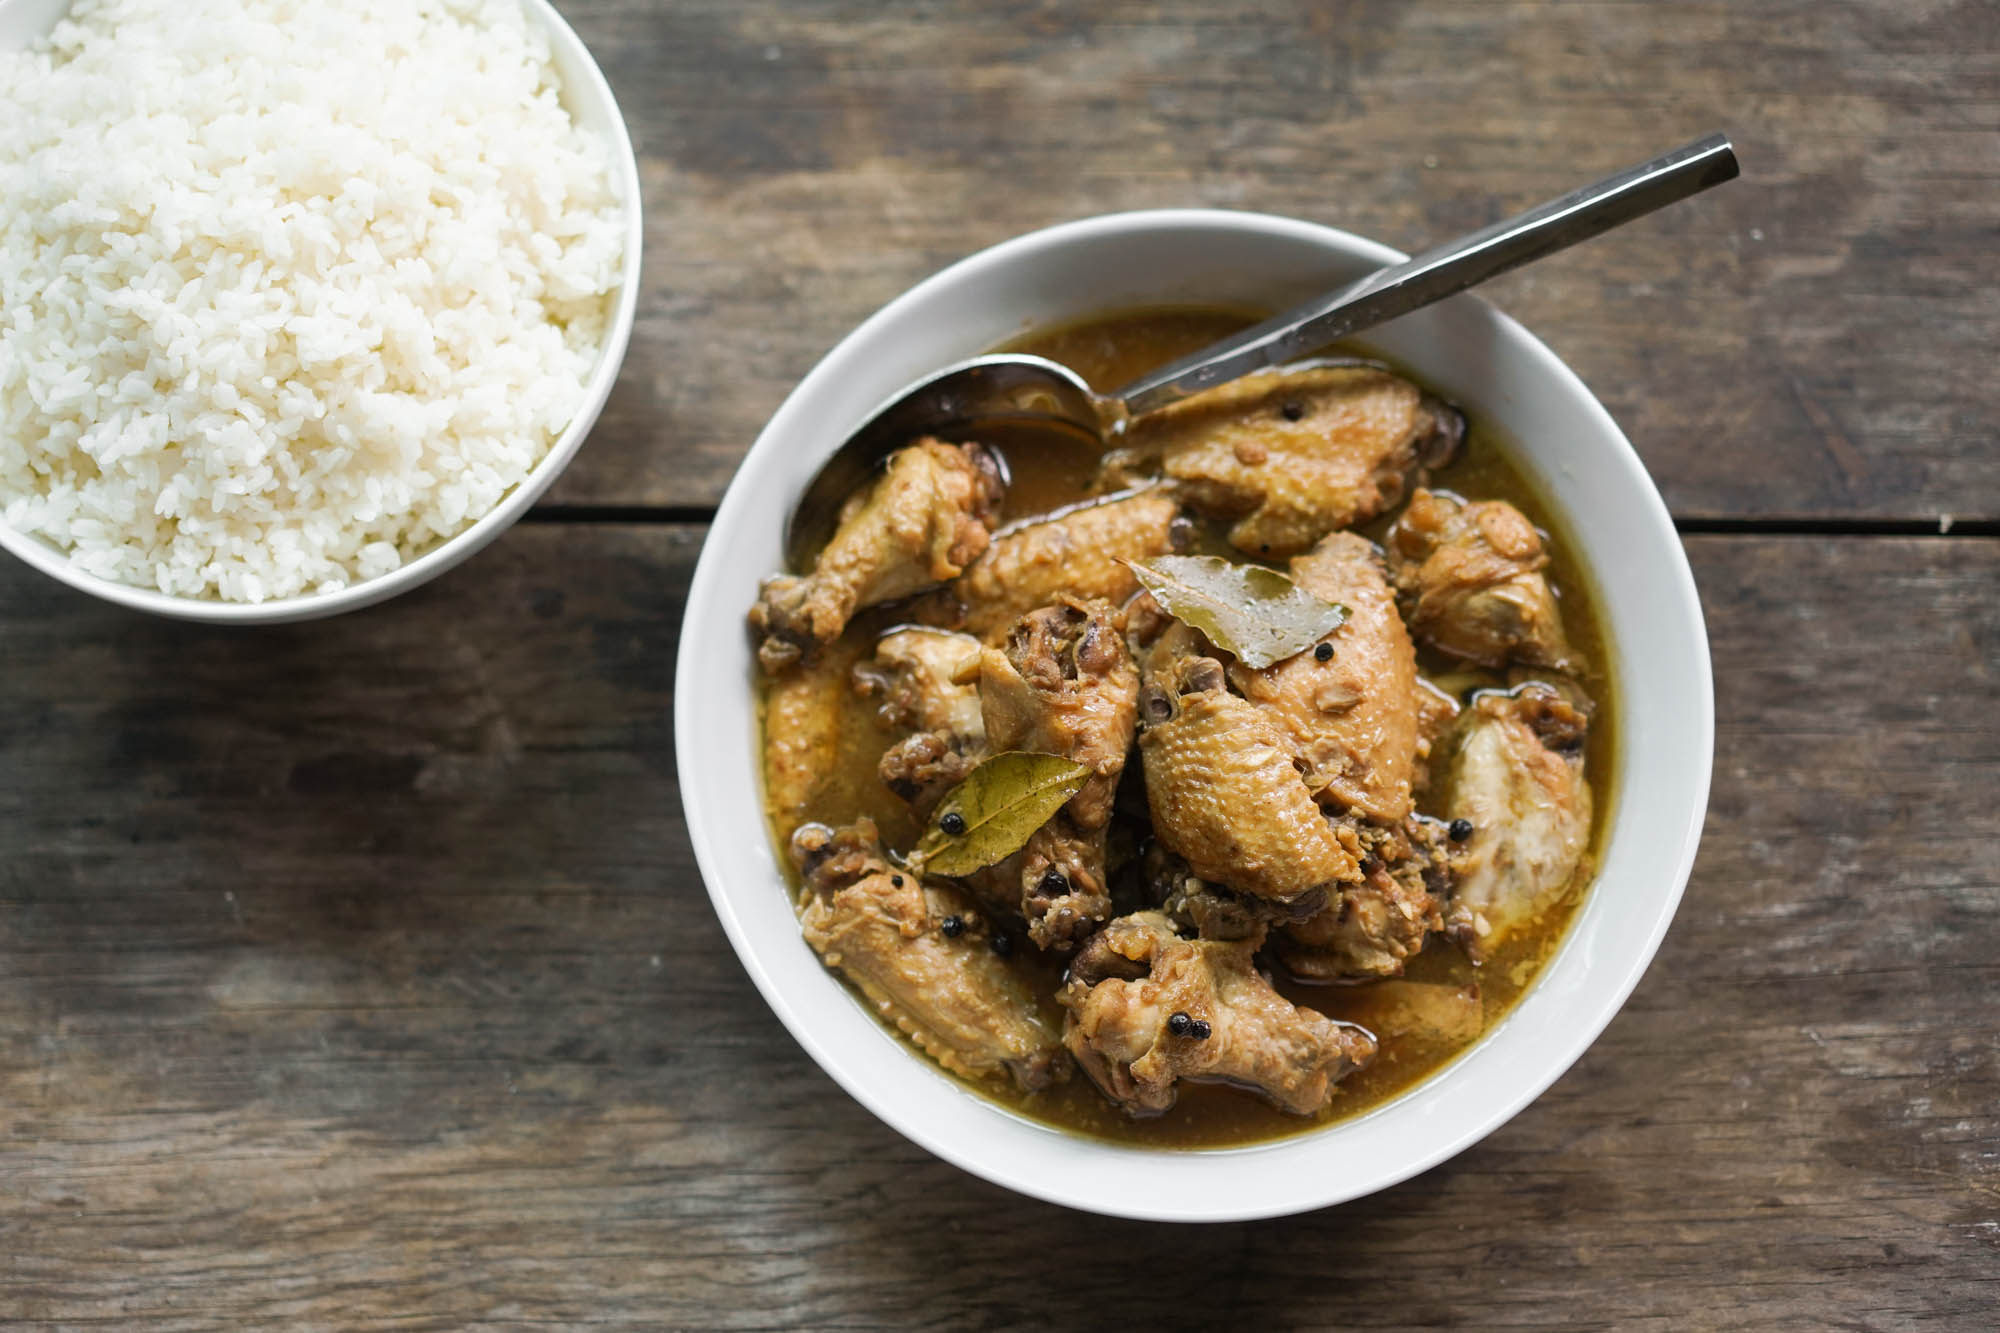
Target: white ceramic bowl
[[1477, 357], [589, 100]]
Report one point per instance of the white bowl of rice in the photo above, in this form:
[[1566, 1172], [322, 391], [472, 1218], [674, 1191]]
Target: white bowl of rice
[[301, 304]]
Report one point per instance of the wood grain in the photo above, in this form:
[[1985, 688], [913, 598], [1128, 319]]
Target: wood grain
[[1811, 341], [355, 974]]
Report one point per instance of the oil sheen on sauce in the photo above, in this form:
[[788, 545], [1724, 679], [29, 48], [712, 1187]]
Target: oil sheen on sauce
[[1111, 351]]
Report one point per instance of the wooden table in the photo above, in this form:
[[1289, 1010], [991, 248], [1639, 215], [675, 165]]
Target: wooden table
[[357, 973]]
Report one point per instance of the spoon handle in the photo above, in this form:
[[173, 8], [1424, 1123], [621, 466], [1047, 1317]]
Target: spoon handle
[[1442, 272]]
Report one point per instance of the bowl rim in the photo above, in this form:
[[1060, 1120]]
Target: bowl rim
[[460, 546], [703, 805]]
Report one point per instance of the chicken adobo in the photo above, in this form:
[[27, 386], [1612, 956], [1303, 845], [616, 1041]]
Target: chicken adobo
[[1225, 791]]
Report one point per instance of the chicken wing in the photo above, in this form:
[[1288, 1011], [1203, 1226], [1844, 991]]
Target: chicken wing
[[928, 684], [1352, 716], [1224, 792], [1518, 779], [1078, 553], [802, 734], [921, 522], [914, 674], [1472, 575], [1372, 928], [1291, 455], [921, 954], [1210, 910], [1147, 1009], [1065, 685]]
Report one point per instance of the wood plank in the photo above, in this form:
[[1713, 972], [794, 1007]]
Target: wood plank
[[1813, 340], [356, 973]]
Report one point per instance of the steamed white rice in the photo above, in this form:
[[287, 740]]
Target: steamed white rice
[[290, 290]]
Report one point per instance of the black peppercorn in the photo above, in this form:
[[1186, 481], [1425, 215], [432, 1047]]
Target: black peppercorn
[[1295, 411], [1324, 651], [1002, 944], [1200, 1029], [1460, 830], [896, 881], [953, 823], [1055, 883], [1180, 1024], [952, 926]]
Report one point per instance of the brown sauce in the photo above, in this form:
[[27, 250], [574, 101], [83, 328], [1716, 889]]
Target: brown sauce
[[1109, 352]]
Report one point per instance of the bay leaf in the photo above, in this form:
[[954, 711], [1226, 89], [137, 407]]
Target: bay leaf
[[1253, 611], [1003, 802]]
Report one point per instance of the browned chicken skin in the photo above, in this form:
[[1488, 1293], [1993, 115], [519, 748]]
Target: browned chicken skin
[[920, 954], [1472, 576], [1224, 791], [1373, 928], [926, 518], [915, 675], [1079, 553], [1350, 728], [1064, 685], [1272, 822], [1518, 779], [1063, 894], [802, 733], [1293, 455], [1148, 1008], [1212, 911], [924, 766], [1352, 718]]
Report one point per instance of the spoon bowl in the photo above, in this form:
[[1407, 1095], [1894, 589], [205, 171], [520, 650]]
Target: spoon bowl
[[1013, 393], [980, 398]]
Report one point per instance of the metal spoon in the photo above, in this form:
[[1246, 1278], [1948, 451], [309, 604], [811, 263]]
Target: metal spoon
[[1009, 393]]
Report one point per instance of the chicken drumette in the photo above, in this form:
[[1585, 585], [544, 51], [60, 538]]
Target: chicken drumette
[[1518, 780], [1065, 685], [1148, 1008], [921, 522], [916, 675], [921, 954], [1371, 929], [1472, 577]]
